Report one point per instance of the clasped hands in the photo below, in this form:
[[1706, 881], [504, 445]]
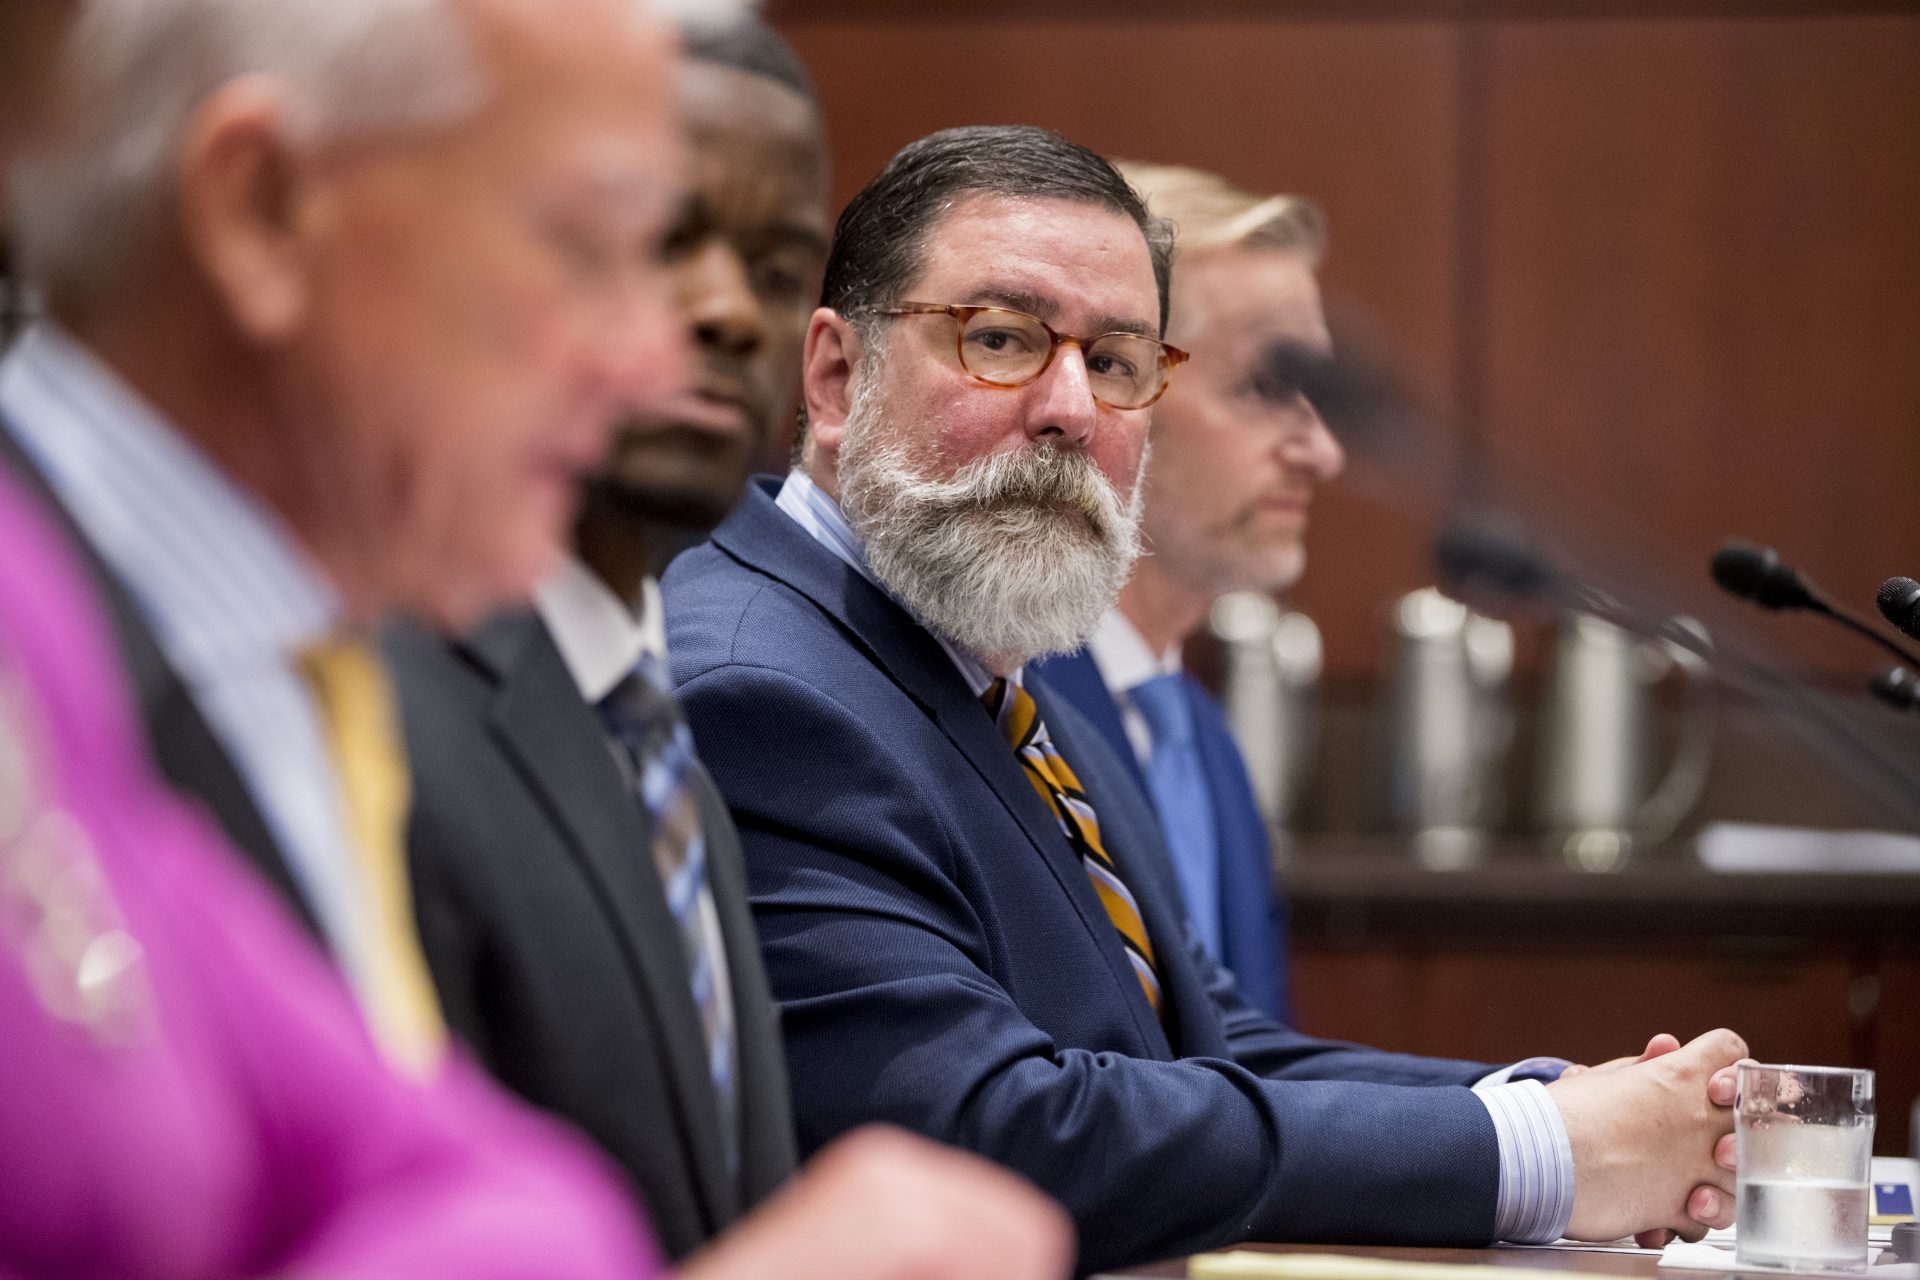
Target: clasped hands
[[1652, 1139]]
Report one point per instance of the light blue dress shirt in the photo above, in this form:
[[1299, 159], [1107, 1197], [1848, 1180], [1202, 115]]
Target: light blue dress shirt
[[1536, 1160], [229, 595]]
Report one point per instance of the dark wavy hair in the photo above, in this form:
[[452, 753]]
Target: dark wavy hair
[[748, 44], [880, 241]]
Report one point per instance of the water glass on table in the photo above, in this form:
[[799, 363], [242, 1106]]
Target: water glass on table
[[1806, 1156]]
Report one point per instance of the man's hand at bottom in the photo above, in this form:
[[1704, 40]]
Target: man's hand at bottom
[[1708, 1206], [881, 1204], [1652, 1140]]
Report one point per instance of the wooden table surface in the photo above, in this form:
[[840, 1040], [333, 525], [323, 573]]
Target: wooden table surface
[[1643, 1265]]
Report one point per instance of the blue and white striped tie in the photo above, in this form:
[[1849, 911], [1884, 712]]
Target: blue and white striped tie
[[658, 752]]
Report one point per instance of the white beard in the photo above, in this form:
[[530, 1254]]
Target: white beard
[[1018, 556]]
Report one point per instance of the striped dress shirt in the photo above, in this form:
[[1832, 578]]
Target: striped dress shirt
[[230, 597], [1536, 1160]]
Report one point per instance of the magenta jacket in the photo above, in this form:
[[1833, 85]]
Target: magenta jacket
[[186, 1089]]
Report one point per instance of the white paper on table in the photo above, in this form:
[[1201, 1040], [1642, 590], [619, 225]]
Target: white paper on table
[[1622, 1245], [1877, 1237], [1711, 1256], [1751, 847]]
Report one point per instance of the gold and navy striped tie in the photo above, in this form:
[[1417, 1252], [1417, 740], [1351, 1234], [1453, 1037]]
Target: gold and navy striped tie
[[1013, 710]]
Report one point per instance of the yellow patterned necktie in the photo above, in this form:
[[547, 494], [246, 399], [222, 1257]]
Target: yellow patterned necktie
[[1013, 710], [396, 990]]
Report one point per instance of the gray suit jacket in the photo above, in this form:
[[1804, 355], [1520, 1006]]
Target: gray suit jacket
[[549, 934]]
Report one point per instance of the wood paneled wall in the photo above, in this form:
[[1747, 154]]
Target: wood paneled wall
[[1665, 255]]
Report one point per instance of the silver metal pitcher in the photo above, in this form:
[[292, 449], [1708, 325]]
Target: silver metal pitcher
[[1272, 660], [1592, 797], [1449, 725]]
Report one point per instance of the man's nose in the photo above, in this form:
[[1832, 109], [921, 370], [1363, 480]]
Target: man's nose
[[1310, 446], [1062, 404], [715, 291], [1304, 440]]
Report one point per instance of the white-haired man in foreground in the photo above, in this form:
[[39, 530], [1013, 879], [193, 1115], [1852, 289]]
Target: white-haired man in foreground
[[344, 297]]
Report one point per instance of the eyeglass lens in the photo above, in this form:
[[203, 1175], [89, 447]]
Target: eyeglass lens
[[1123, 370]]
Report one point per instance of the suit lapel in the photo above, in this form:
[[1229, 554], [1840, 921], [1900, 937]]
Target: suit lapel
[[1253, 929], [978, 737], [1076, 677], [178, 736], [764, 538], [1128, 843], [767, 1142], [540, 721], [1134, 839]]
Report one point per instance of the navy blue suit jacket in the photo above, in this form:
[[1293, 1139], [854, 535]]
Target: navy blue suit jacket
[[943, 963], [1254, 922]]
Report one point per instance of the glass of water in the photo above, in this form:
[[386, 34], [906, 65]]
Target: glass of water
[[1806, 1152]]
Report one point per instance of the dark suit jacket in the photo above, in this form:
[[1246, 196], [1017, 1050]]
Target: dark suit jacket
[[944, 964], [549, 936], [1254, 922], [183, 744]]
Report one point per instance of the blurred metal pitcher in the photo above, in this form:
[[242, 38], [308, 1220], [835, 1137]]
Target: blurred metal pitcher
[[1592, 797], [1272, 660], [1448, 727]]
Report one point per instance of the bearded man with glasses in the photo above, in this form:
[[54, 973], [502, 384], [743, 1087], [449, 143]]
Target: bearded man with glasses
[[965, 905]]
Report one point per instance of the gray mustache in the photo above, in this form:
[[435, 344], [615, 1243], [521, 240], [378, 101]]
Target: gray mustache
[[1045, 476]]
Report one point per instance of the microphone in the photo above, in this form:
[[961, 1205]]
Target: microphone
[[1756, 574], [1898, 687], [1488, 563], [1492, 557], [1899, 602], [1479, 555]]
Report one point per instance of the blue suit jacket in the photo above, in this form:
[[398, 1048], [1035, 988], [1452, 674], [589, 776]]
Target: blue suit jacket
[[1254, 918], [943, 963]]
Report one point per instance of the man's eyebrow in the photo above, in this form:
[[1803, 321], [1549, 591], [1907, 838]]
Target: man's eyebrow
[[1016, 299], [1046, 309], [1125, 324]]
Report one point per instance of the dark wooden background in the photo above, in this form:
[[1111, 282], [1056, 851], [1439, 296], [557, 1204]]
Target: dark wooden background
[[1665, 252]]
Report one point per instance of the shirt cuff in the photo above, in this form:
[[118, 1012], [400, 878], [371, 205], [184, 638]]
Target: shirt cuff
[[1536, 1162], [1545, 1070]]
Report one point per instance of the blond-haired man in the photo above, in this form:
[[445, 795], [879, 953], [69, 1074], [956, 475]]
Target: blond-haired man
[[343, 299], [1238, 453]]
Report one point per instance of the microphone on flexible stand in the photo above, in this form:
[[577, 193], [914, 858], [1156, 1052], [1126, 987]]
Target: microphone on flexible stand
[[1899, 602], [1491, 563], [1756, 574]]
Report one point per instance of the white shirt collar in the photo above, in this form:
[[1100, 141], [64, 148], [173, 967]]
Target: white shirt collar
[[808, 505], [600, 636], [1122, 655]]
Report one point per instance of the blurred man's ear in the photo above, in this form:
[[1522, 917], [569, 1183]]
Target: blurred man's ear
[[245, 209]]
